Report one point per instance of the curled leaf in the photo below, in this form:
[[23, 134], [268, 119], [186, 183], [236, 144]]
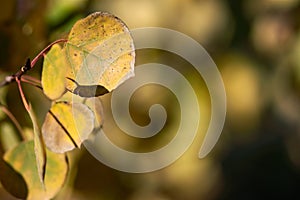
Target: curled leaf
[[66, 126], [39, 147]]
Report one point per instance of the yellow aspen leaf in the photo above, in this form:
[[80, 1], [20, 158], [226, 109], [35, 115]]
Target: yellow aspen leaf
[[94, 104], [66, 126], [54, 72], [99, 51]]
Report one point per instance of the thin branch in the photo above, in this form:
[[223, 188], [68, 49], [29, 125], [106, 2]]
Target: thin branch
[[7, 80], [29, 65]]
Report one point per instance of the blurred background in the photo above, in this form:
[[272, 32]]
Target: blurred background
[[256, 46]]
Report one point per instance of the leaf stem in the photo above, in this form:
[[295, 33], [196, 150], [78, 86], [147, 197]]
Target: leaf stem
[[31, 80], [25, 103], [41, 54]]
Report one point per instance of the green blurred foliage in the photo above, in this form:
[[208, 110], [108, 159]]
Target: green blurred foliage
[[255, 44]]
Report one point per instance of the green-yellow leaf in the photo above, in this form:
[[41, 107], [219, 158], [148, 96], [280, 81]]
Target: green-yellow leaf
[[22, 160], [39, 147], [99, 51], [66, 126], [54, 72]]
